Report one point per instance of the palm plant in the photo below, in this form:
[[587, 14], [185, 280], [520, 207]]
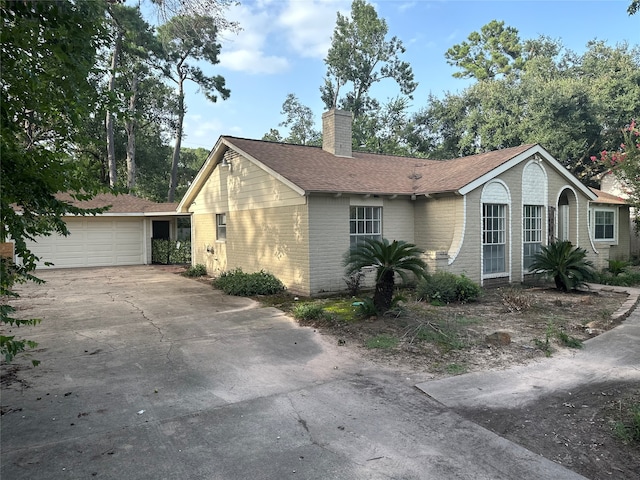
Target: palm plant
[[567, 265], [388, 259]]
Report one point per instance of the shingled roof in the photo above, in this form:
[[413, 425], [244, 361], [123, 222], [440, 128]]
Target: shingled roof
[[123, 203], [604, 197], [314, 170]]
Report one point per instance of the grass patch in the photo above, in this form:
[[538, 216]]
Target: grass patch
[[456, 369], [627, 429], [382, 341], [308, 311]]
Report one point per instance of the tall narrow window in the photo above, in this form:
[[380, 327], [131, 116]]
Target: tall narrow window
[[221, 226], [365, 222], [493, 238], [531, 233]]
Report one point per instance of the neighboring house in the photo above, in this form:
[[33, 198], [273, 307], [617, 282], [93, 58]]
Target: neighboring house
[[120, 236], [611, 184], [295, 210]]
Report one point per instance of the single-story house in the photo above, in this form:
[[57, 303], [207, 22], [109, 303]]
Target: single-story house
[[120, 236], [295, 210]]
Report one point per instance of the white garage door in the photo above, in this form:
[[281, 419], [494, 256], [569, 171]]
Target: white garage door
[[93, 242]]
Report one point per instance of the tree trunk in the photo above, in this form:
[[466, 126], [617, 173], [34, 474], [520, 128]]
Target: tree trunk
[[173, 182], [111, 151], [130, 127], [383, 295]]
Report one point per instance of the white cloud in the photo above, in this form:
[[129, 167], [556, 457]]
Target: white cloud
[[308, 25], [245, 51]]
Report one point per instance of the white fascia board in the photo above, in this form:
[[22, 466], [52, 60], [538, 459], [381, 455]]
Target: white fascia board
[[521, 157], [270, 171], [171, 213], [215, 155]]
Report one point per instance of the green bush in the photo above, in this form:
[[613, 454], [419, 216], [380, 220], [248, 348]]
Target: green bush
[[626, 279], [198, 270], [444, 287], [236, 282], [616, 267], [170, 252], [309, 311], [565, 264]]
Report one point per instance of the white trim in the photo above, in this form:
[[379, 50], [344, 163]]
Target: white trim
[[508, 231], [536, 149], [452, 257], [592, 227]]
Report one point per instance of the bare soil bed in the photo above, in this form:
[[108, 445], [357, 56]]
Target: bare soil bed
[[506, 327]]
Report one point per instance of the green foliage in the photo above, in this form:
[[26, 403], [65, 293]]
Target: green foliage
[[388, 258], [456, 369], [625, 279], [566, 265], [568, 341], [495, 50], [557, 98], [236, 282], [616, 267], [628, 429], [382, 341], [361, 56], [170, 252], [309, 311], [367, 308], [198, 270], [188, 42], [444, 287], [46, 97], [553, 332]]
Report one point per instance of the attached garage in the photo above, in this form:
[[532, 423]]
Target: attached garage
[[94, 242], [120, 236]]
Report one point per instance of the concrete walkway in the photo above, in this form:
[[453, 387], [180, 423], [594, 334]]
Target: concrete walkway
[[149, 375], [611, 356]]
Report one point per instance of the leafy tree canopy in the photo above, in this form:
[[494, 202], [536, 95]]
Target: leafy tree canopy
[[360, 56], [48, 52]]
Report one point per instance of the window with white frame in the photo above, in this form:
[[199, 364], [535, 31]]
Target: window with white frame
[[531, 233], [221, 226], [364, 222], [493, 238], [604, 225]]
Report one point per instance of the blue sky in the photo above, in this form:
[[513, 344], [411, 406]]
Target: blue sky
[[282, 47]]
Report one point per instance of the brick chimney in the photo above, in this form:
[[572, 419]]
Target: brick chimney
[[337, 132]]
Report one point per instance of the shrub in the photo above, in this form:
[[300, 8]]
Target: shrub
[[236, 282], [445, 287], [198, 270], [626, 279], [367, 308], [308, 311], [567, 265], [616, 267]]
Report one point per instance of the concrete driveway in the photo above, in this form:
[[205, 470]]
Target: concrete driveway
[[149, 375]]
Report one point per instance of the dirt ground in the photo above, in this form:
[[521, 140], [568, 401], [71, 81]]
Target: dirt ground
[[507, 327]]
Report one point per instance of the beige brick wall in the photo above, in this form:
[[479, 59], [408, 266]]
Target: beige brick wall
[[271, 239], [328, 242]]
